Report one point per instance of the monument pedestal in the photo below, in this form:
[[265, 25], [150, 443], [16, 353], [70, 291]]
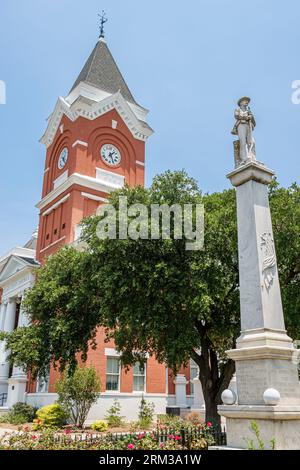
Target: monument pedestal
[[266, 361]]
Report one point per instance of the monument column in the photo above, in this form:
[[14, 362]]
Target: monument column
[[266, 361]]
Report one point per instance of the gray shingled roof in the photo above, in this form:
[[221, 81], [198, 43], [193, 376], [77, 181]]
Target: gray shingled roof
[[101, 70]]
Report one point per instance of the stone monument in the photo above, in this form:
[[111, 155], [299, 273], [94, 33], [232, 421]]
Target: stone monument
[[266, 361]]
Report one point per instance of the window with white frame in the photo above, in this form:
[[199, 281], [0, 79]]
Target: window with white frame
[[194, 372], [42, 384], [139, 377], [112, 373]]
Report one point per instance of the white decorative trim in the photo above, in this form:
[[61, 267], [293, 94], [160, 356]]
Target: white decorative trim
[[52, 244], [61, 128], [81, 180], [80, 142], [47, 169], [61, 179], [138, 162], [58, 203], [112, 352], [18, 251], [93, 197], [108, 177], [92, 111], [114, 124]]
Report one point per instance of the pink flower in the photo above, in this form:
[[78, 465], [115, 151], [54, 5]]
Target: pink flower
[[141, 435], [209, 424], [177, 438], [161, 444], [68, 431], [33, 437], [170, 436], [130, 446]]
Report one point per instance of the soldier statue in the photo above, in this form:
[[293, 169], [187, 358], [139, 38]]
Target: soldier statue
[[244, 125]]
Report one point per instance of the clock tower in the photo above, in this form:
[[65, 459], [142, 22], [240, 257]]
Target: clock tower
[[95, 141]]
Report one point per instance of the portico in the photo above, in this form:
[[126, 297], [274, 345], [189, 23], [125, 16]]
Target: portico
[[16, 276]]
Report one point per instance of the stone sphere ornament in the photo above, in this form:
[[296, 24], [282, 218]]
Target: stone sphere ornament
[[271, 396], [228, 397]]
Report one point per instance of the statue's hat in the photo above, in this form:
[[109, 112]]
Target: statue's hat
[[244, 98]]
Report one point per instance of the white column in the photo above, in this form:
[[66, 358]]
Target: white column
[[180, 390], [18, 372], [17, 382], [23, 319], [10, 316], [2, 315], [9, 323]]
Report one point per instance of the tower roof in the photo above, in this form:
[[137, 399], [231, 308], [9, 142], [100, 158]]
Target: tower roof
[[101, 71]]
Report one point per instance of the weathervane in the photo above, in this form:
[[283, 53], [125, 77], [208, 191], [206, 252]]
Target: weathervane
[[103, 20]]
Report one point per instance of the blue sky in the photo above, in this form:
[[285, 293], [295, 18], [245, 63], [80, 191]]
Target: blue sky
[[187, 62]]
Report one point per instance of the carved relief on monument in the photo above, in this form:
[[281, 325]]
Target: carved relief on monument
[[269, 259]]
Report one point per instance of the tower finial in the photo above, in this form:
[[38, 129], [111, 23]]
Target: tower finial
[[103, 20]]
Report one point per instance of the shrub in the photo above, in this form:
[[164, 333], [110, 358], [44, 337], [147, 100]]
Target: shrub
[[21, 413], [200, 443], [78, 392], [260, 443], [99, 426], [4, 418], [169, 421], [113, 415], [194, 418], [146, 413], [50, 416]]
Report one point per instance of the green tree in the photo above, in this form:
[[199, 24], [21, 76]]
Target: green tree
[[154, 296], [77, 393]]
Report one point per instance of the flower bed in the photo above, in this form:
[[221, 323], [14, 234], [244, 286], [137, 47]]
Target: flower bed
[[159, 439]]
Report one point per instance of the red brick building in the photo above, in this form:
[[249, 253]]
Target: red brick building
[[95, 142]]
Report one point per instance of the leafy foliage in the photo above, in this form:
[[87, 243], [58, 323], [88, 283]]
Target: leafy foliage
[[77, 392], [146, 413], [47, 439], [154, 297], [50, 416], [113, 415], [99, 426], [21, 413]]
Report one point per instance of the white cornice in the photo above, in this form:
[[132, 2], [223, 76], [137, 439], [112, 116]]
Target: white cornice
[[81, 180], [52, 244], [58, 203], [25, 267], [93, 197], [17, 251], [89, 109]]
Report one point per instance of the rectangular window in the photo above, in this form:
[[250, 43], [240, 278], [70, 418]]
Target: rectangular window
[[139, 376], [194, 372], [112, 373]]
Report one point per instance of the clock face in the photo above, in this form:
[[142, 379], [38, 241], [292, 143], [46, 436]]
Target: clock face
[[110, 155], [63, 158]]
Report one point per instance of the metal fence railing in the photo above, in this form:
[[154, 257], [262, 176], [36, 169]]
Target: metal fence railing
[[187, 436]]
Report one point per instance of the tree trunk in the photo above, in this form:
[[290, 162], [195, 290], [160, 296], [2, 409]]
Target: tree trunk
[[214, 379], [211, 409]]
